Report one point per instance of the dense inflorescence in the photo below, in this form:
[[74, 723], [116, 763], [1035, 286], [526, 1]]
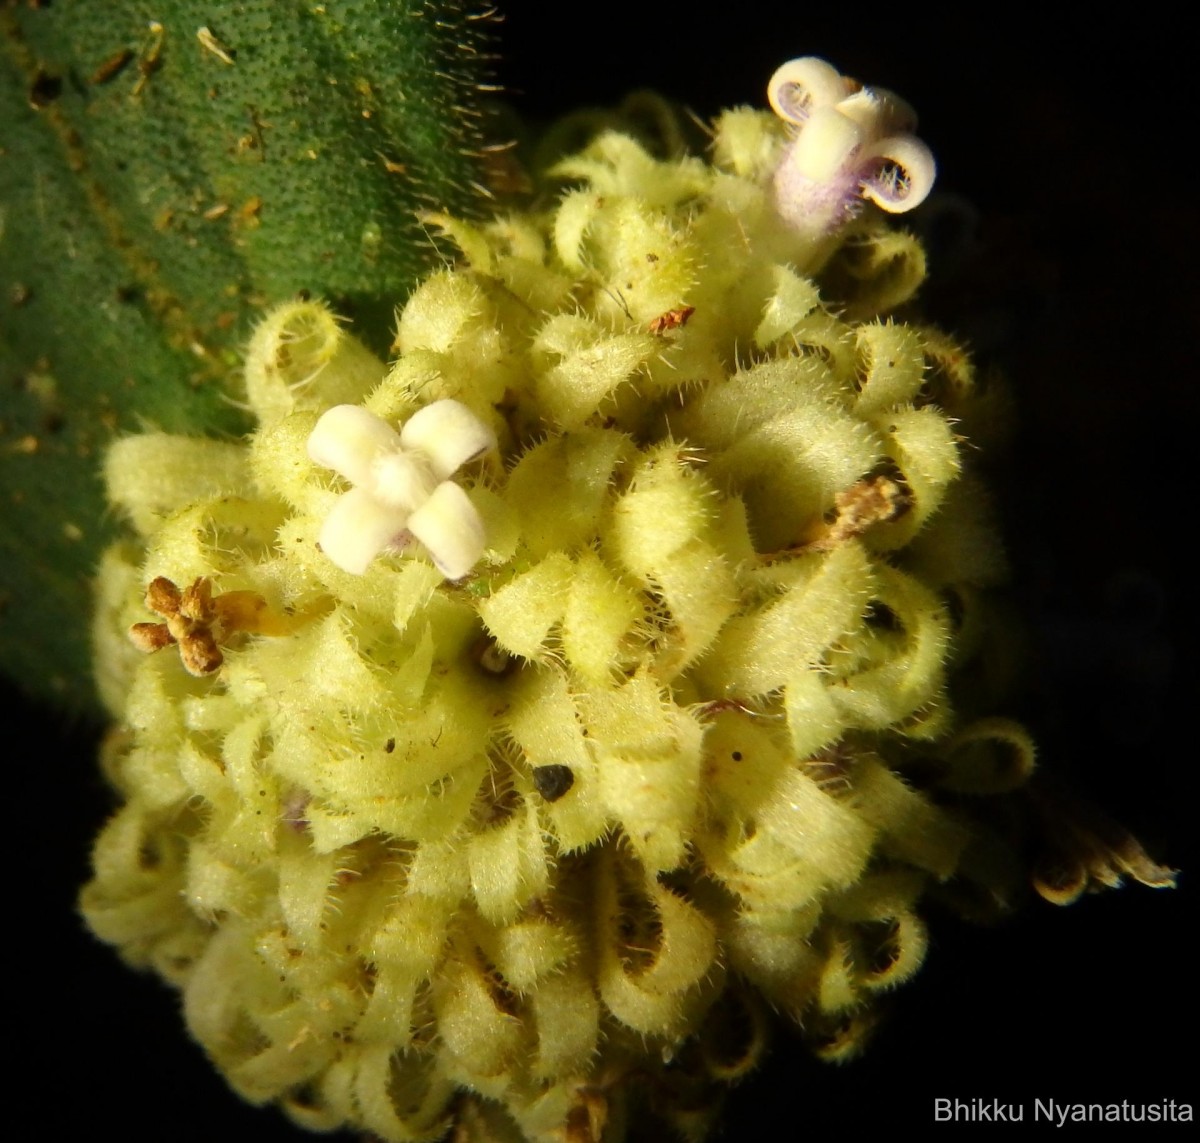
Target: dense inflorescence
[[679, 747]]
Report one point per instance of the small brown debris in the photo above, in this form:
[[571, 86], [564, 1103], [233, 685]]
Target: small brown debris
[[672, 319], [215, 212], [111, 67], [876, 499], [19, 294]]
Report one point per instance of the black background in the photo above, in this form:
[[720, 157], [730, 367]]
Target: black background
[[1074, 141]]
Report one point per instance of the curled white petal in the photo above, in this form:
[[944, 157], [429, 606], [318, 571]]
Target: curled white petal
[[358, 528], [451, 530], [800, 86], [449, 434], [826, 145], [348, 439], [899, 173]]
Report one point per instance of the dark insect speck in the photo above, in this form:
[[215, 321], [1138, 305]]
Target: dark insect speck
[[44, 90], [553, 781]]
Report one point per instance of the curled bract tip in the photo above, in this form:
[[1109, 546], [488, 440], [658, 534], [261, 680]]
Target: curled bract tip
[[401, 485], [852, 143], [801, 85]]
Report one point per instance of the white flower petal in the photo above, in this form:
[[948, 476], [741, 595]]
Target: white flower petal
[[451, 530], [825, 145], [402, 479], [899, 173], [348, 439], [449, 434], [800, 86], [357, 529]]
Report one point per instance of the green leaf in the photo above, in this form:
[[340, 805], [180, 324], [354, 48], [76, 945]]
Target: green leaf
[[166, 170]]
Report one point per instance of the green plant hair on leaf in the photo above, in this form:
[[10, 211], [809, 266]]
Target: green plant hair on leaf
[[169, 169]]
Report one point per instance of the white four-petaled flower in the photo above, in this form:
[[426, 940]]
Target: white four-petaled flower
[[851, 143], [402, 489]]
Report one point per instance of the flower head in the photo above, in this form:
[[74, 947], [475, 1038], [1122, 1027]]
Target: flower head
[[852, 143], [462, 860], [402, 489]]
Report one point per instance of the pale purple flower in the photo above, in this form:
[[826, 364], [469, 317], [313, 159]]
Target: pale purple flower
[[851, 143]]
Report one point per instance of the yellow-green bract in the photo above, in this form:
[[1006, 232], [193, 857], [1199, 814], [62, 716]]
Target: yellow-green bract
[[733, 561]]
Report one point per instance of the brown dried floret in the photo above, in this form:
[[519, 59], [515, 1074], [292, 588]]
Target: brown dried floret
[[198, 621]]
